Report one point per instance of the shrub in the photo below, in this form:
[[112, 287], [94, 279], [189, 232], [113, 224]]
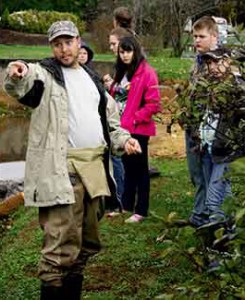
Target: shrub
[[5, 18], [32, 21], [101, 28]]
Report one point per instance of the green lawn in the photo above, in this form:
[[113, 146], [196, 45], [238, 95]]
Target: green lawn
[[143, 261], [171, 67], [19, 51], [36, 52], [167, 67]]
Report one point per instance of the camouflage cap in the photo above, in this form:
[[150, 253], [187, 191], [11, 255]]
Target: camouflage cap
[[62, 28], [217, 54]]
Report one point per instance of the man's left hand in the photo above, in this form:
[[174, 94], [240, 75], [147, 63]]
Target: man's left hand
[[132, 146]]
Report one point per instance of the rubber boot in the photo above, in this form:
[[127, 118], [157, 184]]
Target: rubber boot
[[72, 287], [49, 292]]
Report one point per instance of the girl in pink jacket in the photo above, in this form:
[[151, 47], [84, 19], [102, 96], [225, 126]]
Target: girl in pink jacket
[[135, 89]]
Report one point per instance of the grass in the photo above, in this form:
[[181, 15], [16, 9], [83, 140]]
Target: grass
[[138, 261], [36, 52], [19, 51], [167, 67], [171, 67]]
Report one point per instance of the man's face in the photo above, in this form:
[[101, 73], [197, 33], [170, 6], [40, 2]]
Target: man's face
[[204, 40], [66, 49]]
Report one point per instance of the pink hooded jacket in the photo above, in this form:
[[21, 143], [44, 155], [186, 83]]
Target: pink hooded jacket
[[143, 101]]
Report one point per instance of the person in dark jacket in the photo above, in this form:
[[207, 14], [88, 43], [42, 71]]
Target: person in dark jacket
[[86, 55], [122, 17]]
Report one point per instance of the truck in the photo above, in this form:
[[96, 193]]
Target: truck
[[222, 28]]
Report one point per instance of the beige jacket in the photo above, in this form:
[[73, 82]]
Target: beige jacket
[[46, 176]]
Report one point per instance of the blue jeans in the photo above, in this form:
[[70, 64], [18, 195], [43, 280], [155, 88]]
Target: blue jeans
[[210, 184], [217, 186], [200, 212], [118, 172]]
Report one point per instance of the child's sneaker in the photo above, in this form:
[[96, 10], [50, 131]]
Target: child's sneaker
[[135, 218], [113, 214]]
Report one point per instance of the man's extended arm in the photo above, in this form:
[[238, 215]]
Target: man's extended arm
[[23, 83]]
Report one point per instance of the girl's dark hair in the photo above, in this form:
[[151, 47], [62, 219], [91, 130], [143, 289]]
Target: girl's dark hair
[[123, 17], [128, 43]]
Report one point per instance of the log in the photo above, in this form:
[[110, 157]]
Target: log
[[11, 203]]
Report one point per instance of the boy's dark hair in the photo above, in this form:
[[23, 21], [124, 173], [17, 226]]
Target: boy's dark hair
[[206, 22], [128, 44], [123, 17]]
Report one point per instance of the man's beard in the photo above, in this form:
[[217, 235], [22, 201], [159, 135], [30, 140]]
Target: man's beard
[[73, 63], [68, 65]]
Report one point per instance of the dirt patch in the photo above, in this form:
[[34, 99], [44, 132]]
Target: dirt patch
[[100, 279], [167, 145], [106, 277]]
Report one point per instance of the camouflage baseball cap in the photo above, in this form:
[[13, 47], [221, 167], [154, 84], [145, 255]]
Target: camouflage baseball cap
[[62, 28]]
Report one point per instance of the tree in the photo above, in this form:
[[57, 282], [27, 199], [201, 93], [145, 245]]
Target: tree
[[178, 12], [168, 18], [83, 8], [233, 10]]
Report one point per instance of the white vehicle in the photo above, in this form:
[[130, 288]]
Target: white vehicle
[[223, 29]]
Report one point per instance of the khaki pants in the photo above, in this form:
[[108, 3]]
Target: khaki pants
[[70, 236]]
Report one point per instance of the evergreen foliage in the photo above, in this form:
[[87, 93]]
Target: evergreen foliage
[[77, 7], [33, 21], [5, 18]]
